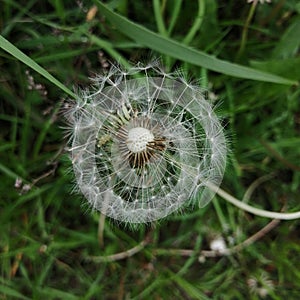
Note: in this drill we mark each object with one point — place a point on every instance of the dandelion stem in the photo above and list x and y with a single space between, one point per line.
251 209
101 224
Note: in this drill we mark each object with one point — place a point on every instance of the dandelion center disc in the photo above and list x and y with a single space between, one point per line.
138 138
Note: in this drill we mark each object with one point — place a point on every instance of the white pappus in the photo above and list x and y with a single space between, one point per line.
144 144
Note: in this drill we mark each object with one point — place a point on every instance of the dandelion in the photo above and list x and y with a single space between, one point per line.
260 285
144 144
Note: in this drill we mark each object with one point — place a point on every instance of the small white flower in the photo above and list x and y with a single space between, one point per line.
144 144
18 183
218 244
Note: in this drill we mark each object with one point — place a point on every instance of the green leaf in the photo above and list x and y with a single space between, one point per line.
289 43
45 292
174 49
7 291
289 67
14 51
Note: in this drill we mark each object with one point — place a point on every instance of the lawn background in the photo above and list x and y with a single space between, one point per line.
53 247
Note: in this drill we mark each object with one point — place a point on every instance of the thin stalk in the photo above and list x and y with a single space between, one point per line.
197 23
251 209
245 29
175 13
159 18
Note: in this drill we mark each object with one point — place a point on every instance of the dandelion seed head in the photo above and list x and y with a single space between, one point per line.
144 146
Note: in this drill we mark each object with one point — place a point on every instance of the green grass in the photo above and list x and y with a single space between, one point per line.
51 246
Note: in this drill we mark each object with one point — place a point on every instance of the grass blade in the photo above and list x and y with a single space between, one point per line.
173 48
14 51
